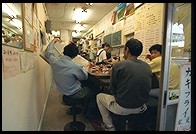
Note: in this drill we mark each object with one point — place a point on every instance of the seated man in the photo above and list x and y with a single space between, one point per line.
67 74
130 85
155 64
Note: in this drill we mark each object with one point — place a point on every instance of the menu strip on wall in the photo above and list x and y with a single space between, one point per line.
149 25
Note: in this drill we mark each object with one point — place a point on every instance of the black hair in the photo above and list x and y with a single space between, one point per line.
107 45
157 47
135 46
71 50
103 45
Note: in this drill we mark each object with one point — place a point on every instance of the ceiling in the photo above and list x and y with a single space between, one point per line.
61 15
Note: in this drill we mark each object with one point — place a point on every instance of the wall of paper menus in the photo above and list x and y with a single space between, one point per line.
149 25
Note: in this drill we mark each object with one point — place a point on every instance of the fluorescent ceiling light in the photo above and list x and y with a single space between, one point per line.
80 15
74 33
79 27
8 10
90 4
55 33
16 23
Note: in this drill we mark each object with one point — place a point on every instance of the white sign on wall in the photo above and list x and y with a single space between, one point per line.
183 117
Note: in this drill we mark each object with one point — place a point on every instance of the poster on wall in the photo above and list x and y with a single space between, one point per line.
11 61
27 61
121 11
29 37
129 9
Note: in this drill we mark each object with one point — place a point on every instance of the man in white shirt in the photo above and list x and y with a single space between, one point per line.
101 54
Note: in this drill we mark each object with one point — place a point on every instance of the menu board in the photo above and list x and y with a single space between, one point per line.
108 39
149 25
116 38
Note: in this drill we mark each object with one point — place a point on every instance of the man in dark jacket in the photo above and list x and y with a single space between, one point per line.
130 85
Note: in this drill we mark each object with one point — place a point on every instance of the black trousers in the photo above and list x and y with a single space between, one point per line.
90 104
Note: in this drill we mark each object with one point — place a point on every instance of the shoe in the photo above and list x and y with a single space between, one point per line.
106 128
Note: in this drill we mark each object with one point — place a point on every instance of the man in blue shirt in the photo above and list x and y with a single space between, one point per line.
67 74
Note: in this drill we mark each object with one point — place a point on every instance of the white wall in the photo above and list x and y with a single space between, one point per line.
24 96
103 24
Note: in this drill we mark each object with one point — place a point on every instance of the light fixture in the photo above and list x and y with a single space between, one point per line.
84 10
89 4
78 22
80 15
55 33
8 10
79 27
75 33
17 23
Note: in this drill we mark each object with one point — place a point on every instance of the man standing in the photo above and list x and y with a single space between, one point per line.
102 54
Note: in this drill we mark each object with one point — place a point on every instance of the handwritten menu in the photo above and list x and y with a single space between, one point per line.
118 26
27 61
149 25
11 61
129 25
183 117
109 31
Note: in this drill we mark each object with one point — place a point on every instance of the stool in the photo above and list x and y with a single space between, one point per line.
77 110
145 121
73 125
131 122
70 110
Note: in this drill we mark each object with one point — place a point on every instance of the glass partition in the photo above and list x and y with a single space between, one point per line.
175 105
